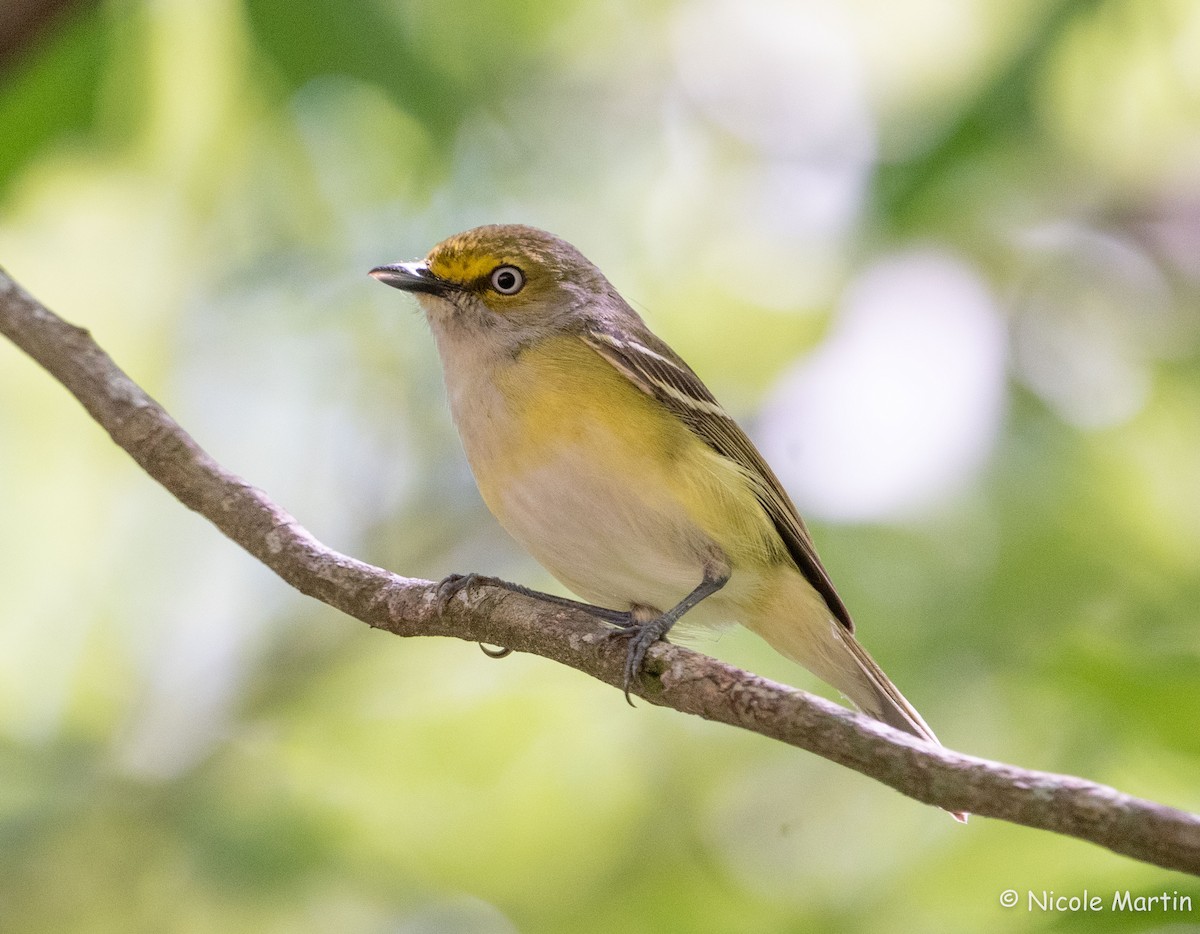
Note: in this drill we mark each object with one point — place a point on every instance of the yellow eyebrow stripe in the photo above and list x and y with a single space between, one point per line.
460 268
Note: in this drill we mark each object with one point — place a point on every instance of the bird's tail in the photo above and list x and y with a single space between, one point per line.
873 692
800 626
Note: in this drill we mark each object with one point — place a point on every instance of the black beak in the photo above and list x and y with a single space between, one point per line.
412 277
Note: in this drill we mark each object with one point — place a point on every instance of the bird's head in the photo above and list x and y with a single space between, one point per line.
503 277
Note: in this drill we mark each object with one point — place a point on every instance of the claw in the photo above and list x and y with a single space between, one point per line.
449 588
641 635
645 625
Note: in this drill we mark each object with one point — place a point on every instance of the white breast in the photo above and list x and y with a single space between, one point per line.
611 542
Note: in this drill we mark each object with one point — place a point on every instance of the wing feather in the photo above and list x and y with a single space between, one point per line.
651 365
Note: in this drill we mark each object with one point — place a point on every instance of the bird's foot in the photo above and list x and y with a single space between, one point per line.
454 584
642 630
451 586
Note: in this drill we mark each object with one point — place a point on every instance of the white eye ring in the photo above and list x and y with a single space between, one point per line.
507 280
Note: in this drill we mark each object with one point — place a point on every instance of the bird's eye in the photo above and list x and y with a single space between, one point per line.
508 280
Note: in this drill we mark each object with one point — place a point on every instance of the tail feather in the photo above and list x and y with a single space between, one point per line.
800 626
803 629
875 694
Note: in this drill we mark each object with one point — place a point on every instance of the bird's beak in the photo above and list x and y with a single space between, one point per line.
412 277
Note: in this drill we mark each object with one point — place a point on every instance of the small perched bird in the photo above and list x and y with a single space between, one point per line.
609 461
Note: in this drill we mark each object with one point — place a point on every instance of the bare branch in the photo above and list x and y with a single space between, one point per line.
677 677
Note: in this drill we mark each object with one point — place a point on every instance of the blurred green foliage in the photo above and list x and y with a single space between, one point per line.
187 746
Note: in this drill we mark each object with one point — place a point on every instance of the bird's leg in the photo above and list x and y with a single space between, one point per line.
457 582
642 625
646 625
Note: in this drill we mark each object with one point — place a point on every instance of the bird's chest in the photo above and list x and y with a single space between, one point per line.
530 418
584 491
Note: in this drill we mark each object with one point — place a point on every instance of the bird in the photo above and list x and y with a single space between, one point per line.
608 459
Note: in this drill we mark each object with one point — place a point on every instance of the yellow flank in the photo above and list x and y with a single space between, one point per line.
564 396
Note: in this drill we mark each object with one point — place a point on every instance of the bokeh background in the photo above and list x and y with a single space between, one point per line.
942 257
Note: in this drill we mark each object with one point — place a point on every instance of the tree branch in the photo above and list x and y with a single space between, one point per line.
676 677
